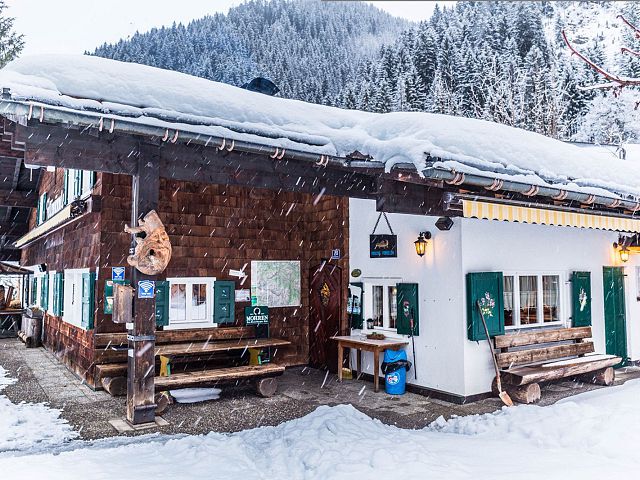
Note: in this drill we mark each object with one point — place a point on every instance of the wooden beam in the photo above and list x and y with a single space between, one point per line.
13 229
544 336
399 197
100 151
520 357
524 375
218 376
14 198
176 336
141 364
9 255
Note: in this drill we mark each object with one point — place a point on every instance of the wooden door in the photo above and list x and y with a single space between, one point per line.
614 312
325 313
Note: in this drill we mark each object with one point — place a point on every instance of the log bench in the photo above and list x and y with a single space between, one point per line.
188 347
527 359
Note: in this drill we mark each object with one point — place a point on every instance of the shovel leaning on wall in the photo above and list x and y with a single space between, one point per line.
504 396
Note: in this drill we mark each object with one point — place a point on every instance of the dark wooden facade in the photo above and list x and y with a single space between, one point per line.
213 228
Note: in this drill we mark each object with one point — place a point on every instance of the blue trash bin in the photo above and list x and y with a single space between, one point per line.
395 368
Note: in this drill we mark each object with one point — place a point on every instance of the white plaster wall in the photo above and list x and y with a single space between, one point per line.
439 347
503 246
446 360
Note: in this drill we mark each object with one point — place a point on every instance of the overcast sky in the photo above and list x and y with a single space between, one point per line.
73 26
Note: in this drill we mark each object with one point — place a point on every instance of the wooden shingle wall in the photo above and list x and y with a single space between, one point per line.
76 245
214 228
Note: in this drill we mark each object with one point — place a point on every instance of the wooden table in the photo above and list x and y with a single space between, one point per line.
359 344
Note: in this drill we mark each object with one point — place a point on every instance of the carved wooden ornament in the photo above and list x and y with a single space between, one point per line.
153 251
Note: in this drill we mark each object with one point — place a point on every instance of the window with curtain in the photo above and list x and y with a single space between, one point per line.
528 299
378 306
508 301
178 301
532 300
550 298
393 306
190 302
380 303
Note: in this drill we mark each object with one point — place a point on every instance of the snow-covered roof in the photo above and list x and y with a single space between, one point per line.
153 96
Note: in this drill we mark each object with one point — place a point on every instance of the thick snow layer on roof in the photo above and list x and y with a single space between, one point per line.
166 98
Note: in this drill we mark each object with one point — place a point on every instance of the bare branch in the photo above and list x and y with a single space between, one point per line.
615 82
629 51
635 29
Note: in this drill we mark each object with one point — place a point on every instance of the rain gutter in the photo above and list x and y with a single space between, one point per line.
23 111
494 184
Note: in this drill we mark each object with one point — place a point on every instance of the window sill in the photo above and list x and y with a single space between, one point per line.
538 326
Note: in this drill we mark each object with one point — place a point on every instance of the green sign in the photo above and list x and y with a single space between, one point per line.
256 315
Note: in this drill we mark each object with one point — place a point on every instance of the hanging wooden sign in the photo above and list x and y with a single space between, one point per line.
383 245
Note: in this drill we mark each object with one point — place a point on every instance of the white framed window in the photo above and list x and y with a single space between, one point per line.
52 276
72 310
533 299
78 184
39 276
380 303
191 302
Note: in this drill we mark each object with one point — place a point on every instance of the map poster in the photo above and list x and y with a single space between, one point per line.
275 283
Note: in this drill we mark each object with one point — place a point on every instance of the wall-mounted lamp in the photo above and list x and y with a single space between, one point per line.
421 243
624 254
622 245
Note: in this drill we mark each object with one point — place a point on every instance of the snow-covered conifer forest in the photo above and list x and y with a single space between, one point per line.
500 61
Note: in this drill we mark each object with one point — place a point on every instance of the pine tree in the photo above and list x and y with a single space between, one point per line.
11 43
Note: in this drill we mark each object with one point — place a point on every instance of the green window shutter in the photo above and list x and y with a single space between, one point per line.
488 288
407 302
43 208
56 295
581 299
357 319
38 212
65 187
60 291
88 297
33 290
162 303
44 292
224 302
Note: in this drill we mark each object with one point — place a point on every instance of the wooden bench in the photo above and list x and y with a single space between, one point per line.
262 374
527 359
187 347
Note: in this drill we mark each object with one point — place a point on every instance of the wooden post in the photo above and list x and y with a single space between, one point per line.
141 354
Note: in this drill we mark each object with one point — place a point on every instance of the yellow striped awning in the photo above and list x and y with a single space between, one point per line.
541 216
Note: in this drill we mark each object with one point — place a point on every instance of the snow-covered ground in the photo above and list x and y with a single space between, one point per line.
29 425
589 436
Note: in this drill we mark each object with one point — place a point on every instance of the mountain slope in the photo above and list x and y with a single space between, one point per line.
310 49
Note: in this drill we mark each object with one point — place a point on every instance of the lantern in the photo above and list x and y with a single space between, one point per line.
421 243
624 253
